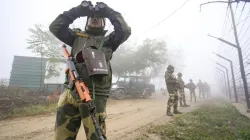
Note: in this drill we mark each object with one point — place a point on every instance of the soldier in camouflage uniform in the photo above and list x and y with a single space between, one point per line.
172 87
206 89
191 86
201 88
70 113
181 91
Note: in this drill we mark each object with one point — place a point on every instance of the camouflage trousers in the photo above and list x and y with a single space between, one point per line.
192 94
182 96
70 114
172 100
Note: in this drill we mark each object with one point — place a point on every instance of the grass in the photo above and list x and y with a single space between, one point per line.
33 110
36 110
216 120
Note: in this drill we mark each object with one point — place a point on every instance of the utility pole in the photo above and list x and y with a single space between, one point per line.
232 71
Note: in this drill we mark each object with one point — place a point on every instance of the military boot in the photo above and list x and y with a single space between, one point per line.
176 111
169 112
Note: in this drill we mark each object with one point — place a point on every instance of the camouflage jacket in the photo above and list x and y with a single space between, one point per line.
201 86
191 86
181 82
171 82
77 38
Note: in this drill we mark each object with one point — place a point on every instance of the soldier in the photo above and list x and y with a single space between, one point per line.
200 86
207 89
191 86
69 112
172 87
181 90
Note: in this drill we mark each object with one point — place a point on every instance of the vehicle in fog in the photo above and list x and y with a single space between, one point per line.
136 86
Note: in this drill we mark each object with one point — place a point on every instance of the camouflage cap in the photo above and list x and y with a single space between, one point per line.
179 74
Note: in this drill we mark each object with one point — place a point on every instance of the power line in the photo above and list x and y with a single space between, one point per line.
169 15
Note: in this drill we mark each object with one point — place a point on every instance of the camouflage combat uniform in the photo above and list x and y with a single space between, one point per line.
181 90
172 87
70 113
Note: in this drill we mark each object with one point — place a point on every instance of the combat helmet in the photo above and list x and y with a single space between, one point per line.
179 74
170 67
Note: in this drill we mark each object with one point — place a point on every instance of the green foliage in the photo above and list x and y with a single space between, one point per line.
150 55
45 44
214 121
33 110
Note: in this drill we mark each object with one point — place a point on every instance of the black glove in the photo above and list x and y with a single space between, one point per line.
84 9
103 10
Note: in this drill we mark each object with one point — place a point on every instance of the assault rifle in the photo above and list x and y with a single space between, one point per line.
82 90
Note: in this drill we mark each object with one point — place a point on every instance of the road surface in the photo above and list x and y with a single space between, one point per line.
124 121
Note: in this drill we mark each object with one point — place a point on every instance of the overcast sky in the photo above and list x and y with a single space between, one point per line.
187 28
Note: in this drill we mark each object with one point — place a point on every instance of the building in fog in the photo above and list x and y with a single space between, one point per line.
29 72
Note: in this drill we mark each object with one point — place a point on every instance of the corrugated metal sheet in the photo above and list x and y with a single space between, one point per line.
27 72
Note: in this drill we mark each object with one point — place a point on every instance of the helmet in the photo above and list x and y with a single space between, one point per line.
179 74
170 67
191 80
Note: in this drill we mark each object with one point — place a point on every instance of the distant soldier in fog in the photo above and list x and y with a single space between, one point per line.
181 90
191 86
200 86
172 87
206 89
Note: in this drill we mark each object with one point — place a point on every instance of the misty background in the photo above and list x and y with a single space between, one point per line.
186 29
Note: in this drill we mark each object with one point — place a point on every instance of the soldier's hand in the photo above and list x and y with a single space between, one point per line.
85 8
103 9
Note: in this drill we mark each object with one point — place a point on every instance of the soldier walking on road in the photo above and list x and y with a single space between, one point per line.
181 90
172 87
191 86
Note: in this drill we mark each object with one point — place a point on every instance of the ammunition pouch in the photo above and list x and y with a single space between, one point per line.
95 62
90 62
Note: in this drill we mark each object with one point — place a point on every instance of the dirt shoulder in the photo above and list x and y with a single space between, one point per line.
125 120
242 108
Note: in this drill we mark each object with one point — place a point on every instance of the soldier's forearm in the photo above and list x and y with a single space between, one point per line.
60 28
121 30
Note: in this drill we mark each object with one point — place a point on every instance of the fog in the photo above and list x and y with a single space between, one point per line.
187 28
